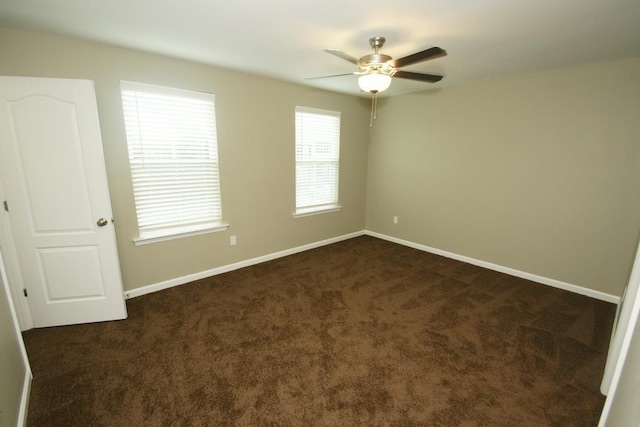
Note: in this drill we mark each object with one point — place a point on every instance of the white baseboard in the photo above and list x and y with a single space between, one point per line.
507 270
235 266
24 400
253 261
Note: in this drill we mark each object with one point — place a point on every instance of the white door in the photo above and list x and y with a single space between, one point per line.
54 179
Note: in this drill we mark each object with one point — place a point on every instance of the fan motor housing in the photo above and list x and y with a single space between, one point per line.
373 59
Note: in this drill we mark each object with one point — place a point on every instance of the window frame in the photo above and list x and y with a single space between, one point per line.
334 205
209 161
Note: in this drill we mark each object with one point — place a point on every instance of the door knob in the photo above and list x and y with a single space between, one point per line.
102 222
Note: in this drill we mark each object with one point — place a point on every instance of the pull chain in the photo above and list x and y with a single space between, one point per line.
374 107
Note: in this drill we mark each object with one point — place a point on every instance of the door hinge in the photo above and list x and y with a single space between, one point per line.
24 291
6 206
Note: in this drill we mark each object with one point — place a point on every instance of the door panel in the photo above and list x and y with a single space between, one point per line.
52 171
63 284
67 187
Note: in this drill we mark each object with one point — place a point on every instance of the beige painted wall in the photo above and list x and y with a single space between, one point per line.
12 366
537 172
255 119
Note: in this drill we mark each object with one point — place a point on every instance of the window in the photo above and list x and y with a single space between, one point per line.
171 136
317 160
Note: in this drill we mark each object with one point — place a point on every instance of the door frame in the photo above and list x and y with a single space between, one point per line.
28 374
622 327
12 269
627 322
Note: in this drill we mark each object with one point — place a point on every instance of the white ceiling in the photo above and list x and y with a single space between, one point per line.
285 39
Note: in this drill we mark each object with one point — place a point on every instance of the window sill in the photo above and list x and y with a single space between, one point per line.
177 233
316 210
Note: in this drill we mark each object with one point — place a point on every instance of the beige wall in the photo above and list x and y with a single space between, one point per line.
12 366
538 172
255 119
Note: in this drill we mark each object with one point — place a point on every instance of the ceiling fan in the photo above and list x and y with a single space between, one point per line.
376 69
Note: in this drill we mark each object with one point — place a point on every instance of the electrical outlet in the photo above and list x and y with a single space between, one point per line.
395 219
232 240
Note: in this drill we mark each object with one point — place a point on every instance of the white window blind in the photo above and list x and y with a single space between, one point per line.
171 136
317 159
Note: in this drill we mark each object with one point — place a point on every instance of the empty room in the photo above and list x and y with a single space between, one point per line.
320 213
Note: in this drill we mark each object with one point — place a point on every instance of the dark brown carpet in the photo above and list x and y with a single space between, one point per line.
362 332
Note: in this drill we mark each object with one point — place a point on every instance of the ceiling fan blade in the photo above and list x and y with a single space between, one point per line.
341 54
431 53
333 75
429 78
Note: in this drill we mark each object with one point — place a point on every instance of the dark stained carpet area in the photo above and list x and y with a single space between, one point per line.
359 333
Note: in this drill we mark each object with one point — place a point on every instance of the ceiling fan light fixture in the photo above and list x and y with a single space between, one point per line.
377 69
374 82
